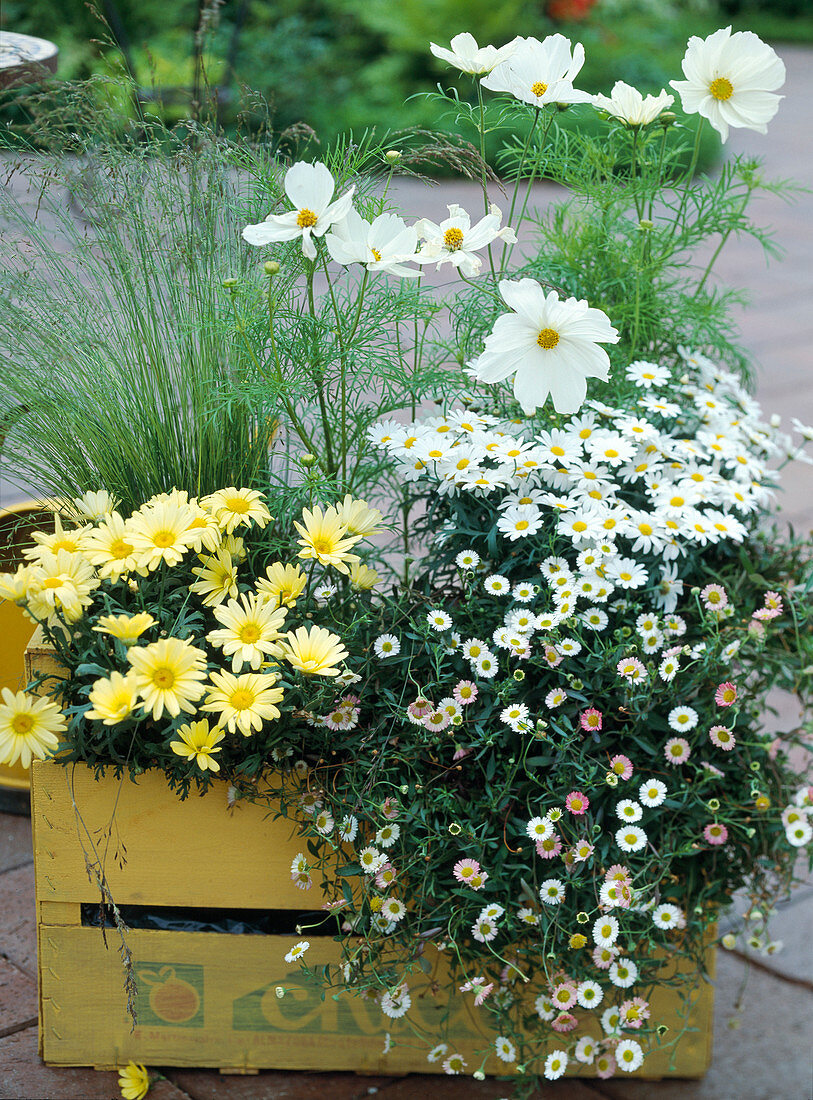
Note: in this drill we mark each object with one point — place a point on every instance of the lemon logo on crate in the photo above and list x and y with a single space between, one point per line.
169 996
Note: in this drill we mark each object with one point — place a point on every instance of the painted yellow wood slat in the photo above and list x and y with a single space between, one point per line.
158 850
212 1000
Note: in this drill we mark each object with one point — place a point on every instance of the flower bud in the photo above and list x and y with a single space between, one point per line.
729 941
271 267
392 156
308 461
667 119
229 283
280 992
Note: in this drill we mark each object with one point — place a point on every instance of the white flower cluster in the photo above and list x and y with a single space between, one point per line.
686 471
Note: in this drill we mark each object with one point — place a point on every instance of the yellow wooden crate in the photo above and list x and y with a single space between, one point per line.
211 998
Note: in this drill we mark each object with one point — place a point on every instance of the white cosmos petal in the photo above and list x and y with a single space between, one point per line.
568 390
531 388
309 186
270 232
334 212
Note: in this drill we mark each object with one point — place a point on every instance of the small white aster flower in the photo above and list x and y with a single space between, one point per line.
623 973
629 1056
630 838
589 994
628 810
552 891
555 1064
297 951
683 718
439 620
497 585
652 793
386 645
605 931
467 559
667 916
505 1049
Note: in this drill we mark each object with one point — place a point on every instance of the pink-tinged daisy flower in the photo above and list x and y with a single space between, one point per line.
465 870
603 957
552 656
484 929
550 847
591 719
773 601
722 737
716 833
386 876
420 709
605 1066
437 720
714 597
621 766
564 1022
577 803
633 1012
632 670
564 995
482 993
676 750
726 694
765 614
390 808
465 692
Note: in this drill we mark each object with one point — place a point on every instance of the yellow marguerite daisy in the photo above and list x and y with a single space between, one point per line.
198 742
283 584
110 548
28 727
114 698
314 651
169 675
134 1081
323 538
52 542
250 629
160 533
204 530
235 546
235 507
358 517
218 578
95 505
14 586
127 628
362 577
243 702
61 583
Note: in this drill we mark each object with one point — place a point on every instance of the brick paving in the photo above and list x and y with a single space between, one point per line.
766 1056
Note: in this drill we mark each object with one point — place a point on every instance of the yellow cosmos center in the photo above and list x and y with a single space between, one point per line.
249 633
721 88
163 678
376 254
539 88
22 724
242 699
163 539
237 504
548 338
453 239
305 218
120 549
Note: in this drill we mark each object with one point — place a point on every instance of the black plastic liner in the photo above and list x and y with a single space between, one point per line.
234 922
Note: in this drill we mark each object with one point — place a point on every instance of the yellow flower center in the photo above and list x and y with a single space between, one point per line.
522 525
163 539
64 544
163 678
721 88
120 549
548 338
453 238
305 218
539 88
237 504
242 699
322 544
22 724
53 582
376 254
249 633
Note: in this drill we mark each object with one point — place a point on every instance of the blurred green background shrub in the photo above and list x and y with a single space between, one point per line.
352 64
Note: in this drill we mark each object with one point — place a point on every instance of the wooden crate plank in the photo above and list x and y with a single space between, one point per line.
191 853
210 1000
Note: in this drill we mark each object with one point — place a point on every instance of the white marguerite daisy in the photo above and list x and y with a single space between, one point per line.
467 56
628 105
385 244
540 72
623 973
550 345
297 951
386 645
731 79
629 1056
310 188
456 240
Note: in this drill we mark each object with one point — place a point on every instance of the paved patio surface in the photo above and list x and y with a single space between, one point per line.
763 1050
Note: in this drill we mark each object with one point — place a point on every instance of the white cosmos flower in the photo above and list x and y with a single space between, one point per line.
628 105
552 345
310 188
467 56
731 80
541 72
456 240
384 244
